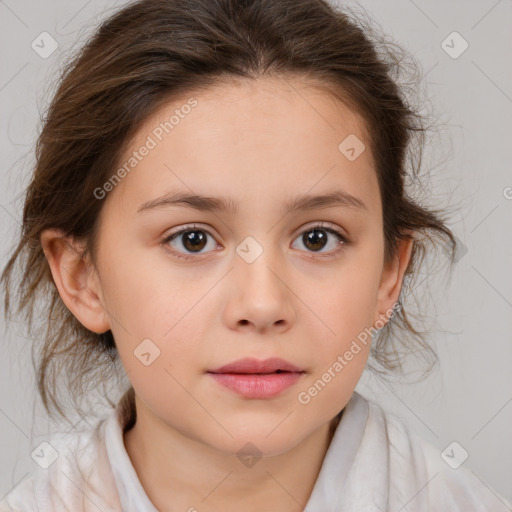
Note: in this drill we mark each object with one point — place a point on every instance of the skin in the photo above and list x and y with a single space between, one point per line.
258 143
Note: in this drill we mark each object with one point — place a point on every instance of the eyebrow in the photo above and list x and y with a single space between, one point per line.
336 198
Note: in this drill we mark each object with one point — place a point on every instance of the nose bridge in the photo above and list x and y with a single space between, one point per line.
261 295
258 262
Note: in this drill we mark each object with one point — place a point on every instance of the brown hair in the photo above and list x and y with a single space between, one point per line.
150 52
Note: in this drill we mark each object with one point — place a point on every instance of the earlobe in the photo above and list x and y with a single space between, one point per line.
392 279
75 279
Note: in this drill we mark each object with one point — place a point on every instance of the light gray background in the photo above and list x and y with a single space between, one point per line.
469 400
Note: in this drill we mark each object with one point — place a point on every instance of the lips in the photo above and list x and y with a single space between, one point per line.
255 366
255 379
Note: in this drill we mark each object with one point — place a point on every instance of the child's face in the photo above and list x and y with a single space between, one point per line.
258 145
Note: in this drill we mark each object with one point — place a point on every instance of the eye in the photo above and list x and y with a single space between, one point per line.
192 240
189 240
319 236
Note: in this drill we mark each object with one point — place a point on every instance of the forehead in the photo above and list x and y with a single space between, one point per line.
252 141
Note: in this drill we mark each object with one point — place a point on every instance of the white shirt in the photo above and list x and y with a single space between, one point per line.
374 463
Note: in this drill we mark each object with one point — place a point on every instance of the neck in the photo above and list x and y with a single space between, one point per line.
199 477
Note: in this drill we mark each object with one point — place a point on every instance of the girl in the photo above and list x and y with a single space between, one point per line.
219 204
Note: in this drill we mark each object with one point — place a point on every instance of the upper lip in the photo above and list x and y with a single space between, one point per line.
252 365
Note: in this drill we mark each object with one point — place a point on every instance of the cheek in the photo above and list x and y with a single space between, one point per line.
145 292
347 300
159 359
341 348
345 305
156 312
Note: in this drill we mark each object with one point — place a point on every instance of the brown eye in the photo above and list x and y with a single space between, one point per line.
189 241
317 238
193 240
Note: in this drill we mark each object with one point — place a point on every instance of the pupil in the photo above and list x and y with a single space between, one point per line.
315 239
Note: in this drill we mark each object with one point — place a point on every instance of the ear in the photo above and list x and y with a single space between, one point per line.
392 278
76 280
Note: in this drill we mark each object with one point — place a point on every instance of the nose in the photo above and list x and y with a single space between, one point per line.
260 298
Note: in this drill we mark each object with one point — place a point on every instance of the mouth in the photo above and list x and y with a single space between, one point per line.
254 373
258 379
252 366
258 385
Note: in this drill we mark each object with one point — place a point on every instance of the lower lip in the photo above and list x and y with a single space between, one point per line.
257 385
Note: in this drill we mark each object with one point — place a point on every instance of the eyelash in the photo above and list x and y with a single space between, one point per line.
320 226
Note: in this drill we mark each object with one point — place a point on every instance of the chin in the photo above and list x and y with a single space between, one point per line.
257 439
249 450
